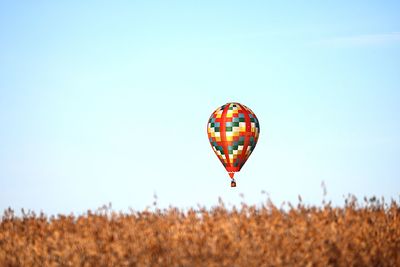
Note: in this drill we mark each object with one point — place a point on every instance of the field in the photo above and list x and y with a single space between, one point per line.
366 234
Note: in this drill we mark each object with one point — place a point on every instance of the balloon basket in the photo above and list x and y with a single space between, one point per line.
233 183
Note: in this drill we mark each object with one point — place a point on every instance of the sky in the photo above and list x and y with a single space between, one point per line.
108 101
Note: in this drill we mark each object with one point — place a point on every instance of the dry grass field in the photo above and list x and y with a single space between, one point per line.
366 234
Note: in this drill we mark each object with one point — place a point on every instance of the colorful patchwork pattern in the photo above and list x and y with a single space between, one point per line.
233 131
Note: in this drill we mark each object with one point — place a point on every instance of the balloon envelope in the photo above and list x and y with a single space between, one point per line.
233 131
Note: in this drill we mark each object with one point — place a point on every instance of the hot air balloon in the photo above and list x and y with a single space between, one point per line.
233 131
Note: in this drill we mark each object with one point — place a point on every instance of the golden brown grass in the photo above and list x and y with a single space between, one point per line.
352 235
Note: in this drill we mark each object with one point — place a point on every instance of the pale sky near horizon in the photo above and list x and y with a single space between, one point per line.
107 101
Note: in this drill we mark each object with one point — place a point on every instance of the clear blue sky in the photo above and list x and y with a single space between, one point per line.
107 101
